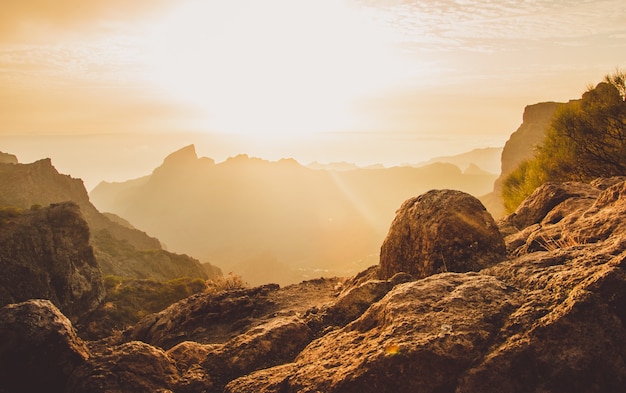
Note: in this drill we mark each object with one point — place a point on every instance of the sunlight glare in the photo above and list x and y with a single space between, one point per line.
278 68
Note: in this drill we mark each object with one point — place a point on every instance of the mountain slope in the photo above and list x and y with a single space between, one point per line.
120 250
274 221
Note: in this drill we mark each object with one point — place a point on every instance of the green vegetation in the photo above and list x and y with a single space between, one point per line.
586 140
7 213
128 300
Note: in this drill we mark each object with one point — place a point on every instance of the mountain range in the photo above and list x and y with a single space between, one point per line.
119 248
275 221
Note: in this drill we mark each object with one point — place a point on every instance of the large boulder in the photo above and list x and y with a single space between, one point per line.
39 349
441 231
45 253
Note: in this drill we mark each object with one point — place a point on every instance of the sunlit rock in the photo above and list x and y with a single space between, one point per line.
441 231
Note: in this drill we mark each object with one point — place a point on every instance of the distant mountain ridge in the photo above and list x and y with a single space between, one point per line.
274 221
120 249
487 159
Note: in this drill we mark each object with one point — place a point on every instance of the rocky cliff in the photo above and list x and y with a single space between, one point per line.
547 315
120 249
45 253
520 147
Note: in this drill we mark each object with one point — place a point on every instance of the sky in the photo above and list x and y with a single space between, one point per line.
107 88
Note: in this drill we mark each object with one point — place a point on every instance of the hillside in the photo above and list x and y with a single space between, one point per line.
531 303
274 221
120 250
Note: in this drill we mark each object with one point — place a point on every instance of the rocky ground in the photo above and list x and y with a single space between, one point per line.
538 307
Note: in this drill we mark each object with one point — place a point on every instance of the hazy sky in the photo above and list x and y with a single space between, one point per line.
359 80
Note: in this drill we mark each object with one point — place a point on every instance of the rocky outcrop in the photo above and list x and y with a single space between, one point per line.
205 318
39 349
6 158
45 253
120 249
521 147
548 318
419 337
440 231
127 368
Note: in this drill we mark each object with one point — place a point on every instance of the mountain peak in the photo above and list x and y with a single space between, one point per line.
182 156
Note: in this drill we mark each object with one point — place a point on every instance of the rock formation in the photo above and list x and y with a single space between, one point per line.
120 250
45 253
440 231
521 147
549 317
6 158
39 349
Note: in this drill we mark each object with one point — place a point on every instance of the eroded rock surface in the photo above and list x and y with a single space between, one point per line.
45 253
550 318
39 349
441 231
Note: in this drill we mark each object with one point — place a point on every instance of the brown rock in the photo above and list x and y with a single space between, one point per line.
131 367
206 318
440 231
547 197
419 337
45 253
39 349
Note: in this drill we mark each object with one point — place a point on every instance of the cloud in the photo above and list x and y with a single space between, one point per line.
476 25
28 20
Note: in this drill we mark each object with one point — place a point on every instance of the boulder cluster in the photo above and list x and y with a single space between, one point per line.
535 302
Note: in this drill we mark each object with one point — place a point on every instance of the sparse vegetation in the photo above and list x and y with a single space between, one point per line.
586 140
128 300
9 212
553 244
231 281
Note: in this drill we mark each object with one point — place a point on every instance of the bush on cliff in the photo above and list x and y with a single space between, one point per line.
586 140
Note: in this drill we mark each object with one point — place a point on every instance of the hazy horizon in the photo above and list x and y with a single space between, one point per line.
109 88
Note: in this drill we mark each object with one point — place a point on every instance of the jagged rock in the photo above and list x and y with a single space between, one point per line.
565 215
419 337
545 198
205 318
271 344
353 302
131 367
441 230
6 158
39 349
568 335
45 253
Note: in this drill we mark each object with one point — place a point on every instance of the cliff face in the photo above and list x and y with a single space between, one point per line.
120 250
520 147
45 253
6 158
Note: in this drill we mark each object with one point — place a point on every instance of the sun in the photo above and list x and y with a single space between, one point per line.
278 68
